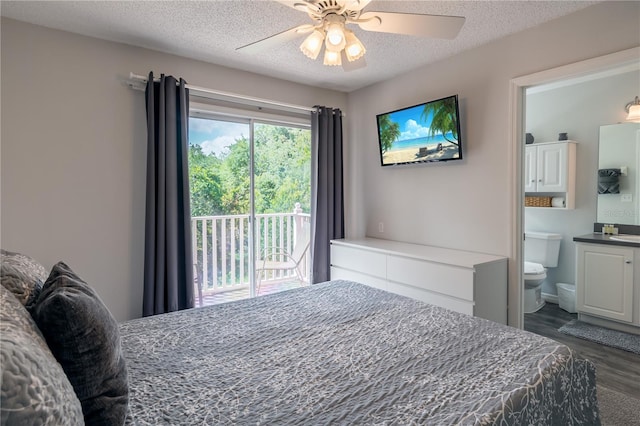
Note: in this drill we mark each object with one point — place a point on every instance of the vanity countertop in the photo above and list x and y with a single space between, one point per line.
598 238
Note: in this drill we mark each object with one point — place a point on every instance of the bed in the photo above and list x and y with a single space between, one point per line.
333 353
345 353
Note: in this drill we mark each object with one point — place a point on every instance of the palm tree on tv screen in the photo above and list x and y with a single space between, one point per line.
389 132
444 119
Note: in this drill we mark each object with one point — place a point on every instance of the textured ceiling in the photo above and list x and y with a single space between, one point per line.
212 30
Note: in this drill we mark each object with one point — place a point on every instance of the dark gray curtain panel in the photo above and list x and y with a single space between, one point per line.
327 199
168 265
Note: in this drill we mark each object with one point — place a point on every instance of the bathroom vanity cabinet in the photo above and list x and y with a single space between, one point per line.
605 281
467 282
550 169
605 286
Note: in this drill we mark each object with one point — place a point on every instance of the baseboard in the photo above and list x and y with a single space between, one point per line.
551 298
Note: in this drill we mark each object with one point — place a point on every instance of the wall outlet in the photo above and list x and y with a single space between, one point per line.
381 227
626 198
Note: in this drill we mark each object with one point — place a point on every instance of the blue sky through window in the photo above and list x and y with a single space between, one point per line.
215 135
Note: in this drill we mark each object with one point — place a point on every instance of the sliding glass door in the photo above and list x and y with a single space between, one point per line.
250 192
282 188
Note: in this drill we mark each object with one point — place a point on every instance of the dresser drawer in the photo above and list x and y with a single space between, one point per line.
462 306
359 277
435 277
368 262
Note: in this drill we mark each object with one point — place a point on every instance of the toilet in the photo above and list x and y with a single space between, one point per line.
541 251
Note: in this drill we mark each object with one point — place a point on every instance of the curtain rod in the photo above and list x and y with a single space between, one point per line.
139 82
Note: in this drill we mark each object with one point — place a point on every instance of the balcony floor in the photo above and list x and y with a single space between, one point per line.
267 287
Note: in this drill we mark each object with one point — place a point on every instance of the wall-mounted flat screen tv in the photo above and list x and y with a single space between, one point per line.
424 133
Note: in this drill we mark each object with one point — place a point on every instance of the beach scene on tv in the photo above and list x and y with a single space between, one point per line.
427 132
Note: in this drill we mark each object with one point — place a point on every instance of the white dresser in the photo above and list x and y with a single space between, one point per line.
463 281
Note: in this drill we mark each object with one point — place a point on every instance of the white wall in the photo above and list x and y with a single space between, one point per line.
74 149
466 205
578 110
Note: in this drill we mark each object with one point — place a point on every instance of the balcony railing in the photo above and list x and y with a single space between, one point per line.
220 247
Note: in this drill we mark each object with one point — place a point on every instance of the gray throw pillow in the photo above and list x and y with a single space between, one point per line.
21 275
85 339
35 390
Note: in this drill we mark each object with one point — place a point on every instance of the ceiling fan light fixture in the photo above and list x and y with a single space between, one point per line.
335 39
633 110
354 48
312 45
332 58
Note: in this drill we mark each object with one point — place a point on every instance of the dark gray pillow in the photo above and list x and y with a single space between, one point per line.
84 337
35 390
21 275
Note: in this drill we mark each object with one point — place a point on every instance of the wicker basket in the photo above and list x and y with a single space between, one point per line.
537 201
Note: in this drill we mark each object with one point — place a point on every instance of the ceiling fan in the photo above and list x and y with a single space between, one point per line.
330 18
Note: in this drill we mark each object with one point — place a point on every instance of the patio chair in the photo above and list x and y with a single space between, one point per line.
278 259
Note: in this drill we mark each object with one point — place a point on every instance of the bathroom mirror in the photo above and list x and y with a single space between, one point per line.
619 174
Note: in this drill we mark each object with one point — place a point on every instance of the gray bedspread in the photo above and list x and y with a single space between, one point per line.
345 353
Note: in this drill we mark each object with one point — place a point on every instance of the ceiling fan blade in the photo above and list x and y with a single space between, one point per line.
356 4
352 66
300 5
436 26
276 39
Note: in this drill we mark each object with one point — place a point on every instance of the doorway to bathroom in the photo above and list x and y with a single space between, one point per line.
577 99
585 113
575 109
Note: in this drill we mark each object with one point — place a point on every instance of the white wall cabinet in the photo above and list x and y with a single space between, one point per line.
550 168
604 278
466 282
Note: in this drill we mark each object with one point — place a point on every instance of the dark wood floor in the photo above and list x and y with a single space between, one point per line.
616 369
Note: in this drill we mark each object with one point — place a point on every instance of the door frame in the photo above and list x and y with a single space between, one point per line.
517 87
